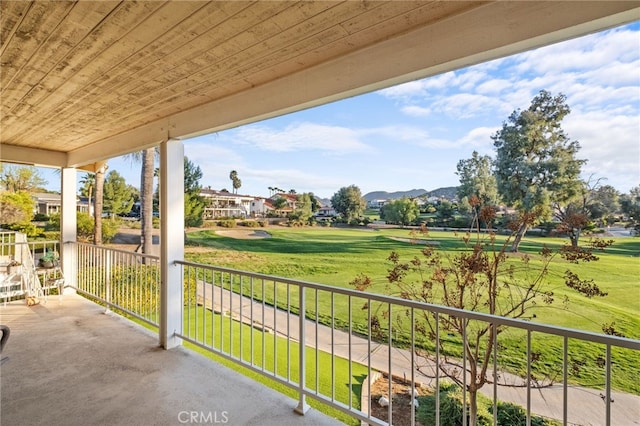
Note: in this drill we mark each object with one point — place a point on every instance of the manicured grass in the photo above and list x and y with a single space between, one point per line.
336 256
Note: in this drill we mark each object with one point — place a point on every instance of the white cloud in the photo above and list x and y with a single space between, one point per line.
480 139
611 144
301 137
416 111
467 105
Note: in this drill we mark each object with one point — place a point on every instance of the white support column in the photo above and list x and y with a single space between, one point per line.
68 225
171 241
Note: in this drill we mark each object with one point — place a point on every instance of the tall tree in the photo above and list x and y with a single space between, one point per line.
315 203
118 196
88 183
630 204
15 207
536 161
576 213
348 201
98 204
477 179
604 203
236 183
20 178
280 203
147 173
303 212
193 202
402 211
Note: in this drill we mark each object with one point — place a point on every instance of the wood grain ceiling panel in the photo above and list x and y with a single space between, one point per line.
75 73
327 43
148 80
85 60
260 54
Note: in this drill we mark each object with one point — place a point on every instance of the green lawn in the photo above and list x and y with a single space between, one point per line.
334 256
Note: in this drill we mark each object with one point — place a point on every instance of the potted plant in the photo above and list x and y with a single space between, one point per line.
14 267
49 260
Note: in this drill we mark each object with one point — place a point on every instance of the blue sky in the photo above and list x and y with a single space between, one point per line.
413 135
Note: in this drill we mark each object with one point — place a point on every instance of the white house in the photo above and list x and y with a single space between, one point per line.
225 204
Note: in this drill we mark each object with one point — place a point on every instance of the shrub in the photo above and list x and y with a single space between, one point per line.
109 230
40 217
354 222
27 228
450 408
249 223
85 226
51 235
227 223
514 415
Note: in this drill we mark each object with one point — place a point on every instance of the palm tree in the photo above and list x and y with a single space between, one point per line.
147 173
88 184
97 210
235 181
146 198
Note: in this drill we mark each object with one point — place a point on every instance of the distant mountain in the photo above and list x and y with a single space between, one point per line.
448 193
384 195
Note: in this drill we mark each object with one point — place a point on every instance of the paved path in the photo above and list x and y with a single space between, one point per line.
586 406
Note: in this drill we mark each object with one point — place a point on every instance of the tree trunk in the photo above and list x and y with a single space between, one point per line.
518 238
574 236
146 199
473 408
89 202
97 210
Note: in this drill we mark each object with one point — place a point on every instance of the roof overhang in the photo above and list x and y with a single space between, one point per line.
136 86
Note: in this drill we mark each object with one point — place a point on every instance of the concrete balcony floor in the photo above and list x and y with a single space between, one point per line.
71 364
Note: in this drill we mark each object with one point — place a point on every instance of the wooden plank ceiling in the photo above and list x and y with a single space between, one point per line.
74 75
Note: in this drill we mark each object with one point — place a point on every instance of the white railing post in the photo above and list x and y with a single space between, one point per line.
107 283
302 407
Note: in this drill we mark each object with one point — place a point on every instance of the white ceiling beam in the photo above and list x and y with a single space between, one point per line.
32 156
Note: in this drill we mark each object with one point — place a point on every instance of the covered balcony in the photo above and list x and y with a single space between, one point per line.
83 82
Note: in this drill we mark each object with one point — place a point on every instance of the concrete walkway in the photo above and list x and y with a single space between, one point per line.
71 364
586 406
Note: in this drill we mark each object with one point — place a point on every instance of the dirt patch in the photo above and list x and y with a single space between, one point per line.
244 234
401 403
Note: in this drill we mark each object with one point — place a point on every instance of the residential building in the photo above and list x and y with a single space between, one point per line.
221 204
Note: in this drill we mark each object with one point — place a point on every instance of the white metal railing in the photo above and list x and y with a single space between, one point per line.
14 246
274 325
222 306
122 280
